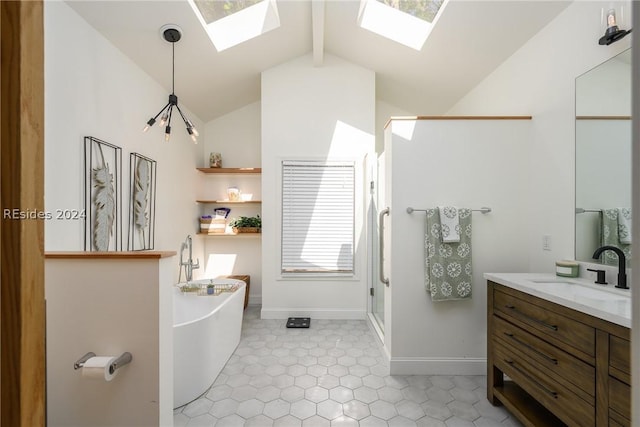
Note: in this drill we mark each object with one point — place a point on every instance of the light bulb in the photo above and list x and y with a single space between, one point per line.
167 133
149 124
190 124
192 134
164 118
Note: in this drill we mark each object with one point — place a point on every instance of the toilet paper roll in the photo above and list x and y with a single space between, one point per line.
97 368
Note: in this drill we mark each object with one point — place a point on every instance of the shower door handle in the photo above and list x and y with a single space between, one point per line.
381 216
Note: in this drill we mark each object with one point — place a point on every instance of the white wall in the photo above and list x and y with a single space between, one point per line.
109 307
384 111
539 80
309 112
92 89
237 137
466 163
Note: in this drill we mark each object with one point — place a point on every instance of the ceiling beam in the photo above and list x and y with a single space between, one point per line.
317 21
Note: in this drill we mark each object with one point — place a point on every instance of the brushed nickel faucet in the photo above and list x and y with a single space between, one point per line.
188 265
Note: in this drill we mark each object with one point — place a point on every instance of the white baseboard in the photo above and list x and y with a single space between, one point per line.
313 313
255 299
438 366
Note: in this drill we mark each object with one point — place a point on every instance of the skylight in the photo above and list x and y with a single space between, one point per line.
408 22
231 22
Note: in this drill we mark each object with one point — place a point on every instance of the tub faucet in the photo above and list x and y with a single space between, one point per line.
622 264
188 265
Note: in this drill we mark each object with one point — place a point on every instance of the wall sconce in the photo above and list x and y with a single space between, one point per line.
612 33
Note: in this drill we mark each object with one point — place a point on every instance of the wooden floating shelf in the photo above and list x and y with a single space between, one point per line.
231 234
603 117
109 254
231 170
228 202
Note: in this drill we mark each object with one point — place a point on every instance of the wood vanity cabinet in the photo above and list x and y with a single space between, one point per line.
552 366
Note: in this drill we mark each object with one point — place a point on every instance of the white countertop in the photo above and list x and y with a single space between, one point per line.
601 301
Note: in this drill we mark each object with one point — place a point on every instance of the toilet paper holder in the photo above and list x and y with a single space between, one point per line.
124 359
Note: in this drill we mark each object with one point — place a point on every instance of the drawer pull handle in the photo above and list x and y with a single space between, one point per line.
532 348
550 392
533 319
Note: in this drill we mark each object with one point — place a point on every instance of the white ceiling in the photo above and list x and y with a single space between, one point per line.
471 38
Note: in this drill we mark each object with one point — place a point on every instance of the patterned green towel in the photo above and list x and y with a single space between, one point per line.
611 237
448 273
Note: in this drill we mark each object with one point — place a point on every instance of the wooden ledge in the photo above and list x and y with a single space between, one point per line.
603 117
110 255
392 118
231 170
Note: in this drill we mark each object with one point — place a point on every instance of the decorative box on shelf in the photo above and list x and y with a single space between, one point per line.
213 225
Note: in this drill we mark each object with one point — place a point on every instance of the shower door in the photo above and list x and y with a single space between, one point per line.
376 199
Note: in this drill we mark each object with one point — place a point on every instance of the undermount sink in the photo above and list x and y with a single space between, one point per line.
577 291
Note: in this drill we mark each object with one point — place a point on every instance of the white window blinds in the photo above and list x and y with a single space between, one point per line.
317 217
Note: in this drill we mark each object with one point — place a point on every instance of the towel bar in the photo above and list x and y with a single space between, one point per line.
582 210
483 209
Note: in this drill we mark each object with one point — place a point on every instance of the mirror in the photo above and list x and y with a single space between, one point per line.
603 159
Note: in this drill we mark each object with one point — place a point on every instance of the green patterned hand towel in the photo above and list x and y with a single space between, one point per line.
448 272
611 236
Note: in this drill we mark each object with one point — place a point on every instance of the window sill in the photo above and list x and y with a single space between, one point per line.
319 277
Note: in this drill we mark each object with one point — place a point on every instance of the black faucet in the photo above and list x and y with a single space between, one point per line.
622 264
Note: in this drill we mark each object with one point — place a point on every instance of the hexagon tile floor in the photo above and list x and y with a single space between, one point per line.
332 374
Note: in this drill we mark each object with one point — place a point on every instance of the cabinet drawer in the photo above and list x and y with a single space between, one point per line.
573 371
547 324
620 358
615 420
560 400
619 398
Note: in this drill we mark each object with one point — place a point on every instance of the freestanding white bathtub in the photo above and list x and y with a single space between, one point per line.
206 332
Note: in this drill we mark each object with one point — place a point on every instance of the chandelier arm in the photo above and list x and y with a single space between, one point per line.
186 122
160 112
170 111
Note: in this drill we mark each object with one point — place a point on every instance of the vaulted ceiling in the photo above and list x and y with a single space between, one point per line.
471 38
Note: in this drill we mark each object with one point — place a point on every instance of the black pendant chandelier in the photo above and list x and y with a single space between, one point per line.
172 34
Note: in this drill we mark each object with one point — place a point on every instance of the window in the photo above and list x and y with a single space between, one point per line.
408 22
212 10
318 217
231 22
